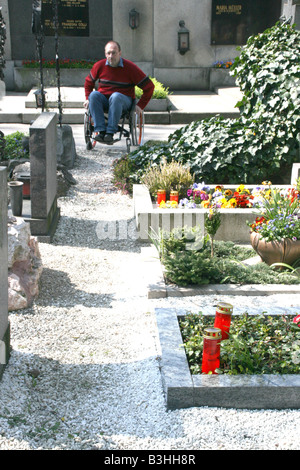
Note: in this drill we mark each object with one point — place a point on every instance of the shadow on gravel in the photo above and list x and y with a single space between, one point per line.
57 289
111 235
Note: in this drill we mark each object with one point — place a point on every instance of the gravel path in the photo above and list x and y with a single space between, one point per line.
84 370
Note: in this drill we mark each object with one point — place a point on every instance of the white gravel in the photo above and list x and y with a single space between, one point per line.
84 369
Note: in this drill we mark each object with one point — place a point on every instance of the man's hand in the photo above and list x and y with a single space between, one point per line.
86 104
139 112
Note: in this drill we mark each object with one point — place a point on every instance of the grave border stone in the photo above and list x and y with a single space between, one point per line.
4 323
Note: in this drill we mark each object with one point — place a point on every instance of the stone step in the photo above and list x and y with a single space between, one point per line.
182 107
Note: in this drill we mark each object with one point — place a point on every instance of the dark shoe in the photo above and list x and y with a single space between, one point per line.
99 136
108 138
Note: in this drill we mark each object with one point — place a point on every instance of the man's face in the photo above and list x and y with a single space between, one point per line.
112 54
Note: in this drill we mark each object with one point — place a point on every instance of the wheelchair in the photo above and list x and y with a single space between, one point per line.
131 126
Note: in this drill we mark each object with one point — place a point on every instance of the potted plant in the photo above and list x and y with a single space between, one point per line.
275 234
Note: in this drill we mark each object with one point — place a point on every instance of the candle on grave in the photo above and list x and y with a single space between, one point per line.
174 196
211 350
161 196
223 318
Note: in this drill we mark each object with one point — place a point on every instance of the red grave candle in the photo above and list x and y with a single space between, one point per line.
174 196
223 318
161 196
211 350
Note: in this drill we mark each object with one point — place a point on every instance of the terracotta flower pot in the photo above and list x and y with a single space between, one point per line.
284 251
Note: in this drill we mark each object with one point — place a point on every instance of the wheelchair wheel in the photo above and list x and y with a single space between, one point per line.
137 129
88 131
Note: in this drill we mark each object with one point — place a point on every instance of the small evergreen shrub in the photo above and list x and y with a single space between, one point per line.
160 91
187 260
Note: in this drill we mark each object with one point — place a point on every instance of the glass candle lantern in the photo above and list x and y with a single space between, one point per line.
161 196
223 318
211 350
174 196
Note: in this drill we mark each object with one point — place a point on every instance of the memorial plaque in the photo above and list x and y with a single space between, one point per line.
234 21
73 17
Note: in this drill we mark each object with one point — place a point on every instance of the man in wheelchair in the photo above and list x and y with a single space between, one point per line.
117 79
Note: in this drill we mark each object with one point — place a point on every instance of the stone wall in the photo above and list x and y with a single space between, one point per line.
153 45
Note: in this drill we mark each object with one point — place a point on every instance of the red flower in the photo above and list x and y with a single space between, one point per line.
297 320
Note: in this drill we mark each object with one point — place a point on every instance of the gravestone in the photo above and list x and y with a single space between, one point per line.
73 17
82 41
4 323
234 21
43 176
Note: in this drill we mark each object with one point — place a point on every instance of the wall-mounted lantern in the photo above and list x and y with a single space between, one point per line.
134 19
183 38
40 98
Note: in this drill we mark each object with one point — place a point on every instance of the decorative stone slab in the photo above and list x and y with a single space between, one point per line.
183 390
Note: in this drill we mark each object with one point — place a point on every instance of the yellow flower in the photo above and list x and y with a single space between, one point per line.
266 183
162 204
205 204
241 188
232 202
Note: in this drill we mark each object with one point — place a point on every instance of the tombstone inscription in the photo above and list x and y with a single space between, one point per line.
234 21
73 17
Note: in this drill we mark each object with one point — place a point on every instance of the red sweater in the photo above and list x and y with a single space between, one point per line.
120 79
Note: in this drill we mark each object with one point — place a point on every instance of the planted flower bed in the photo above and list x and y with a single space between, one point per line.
236 204
256 344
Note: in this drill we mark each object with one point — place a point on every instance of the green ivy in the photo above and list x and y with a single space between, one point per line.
257 344
264 141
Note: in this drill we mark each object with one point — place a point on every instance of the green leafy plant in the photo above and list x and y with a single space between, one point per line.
257 344
122 170
212 222
160 91
14 147
263 142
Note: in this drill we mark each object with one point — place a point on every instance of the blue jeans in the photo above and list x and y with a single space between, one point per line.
115 106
